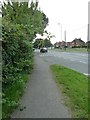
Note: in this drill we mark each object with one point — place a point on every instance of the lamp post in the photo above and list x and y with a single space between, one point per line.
61 30
65 39
88 37
64 36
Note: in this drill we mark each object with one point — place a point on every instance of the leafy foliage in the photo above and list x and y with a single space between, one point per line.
20 25
42 43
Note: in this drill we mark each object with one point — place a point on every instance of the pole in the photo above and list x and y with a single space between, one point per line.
61 32
65 38
88 37
88 33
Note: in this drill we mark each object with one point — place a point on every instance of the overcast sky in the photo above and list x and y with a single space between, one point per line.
69 15
72 16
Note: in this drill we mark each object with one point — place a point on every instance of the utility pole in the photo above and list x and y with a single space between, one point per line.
88 37
65 38
61 30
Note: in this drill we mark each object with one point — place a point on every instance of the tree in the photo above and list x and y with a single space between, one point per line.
47 43
45 21
39 43
36 43
49 35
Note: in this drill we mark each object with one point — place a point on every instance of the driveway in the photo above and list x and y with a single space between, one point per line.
42 98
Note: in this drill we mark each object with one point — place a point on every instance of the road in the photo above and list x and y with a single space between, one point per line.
76 61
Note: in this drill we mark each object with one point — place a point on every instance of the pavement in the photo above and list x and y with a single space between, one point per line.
42 98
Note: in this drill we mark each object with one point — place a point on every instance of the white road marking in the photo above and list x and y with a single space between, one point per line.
72 60
83 62
83 55
86 74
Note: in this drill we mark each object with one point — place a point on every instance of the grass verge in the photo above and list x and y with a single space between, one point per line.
12 95
73 50
75 87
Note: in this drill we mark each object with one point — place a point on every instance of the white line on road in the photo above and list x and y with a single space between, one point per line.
86 74
72 60
83 62
84 55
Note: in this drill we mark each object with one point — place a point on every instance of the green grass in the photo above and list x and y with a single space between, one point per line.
12 95
89 96
74 86
0 111
73 50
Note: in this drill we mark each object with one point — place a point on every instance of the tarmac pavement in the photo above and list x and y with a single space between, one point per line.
42 98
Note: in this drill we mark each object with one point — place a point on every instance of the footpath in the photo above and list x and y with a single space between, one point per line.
41 98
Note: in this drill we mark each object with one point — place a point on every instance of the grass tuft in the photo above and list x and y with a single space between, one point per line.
12 95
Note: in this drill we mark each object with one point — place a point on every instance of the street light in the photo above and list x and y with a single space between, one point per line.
61 30
88 37
65 39
64 35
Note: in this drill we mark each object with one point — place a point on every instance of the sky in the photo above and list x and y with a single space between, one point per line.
66 15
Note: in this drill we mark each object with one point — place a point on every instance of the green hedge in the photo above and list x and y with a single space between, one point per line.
20 25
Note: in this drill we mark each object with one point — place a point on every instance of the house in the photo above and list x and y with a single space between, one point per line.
77 43
60 44
57 44
69 44
88 44
63 44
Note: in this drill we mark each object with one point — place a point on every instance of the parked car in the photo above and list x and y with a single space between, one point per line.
43 50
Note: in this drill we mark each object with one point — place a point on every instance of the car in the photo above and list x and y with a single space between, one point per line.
33 49
43 50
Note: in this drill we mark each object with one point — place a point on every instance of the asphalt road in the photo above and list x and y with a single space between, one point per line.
76 61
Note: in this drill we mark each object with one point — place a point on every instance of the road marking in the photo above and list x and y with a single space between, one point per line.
83 55
83 62
72 60
86 74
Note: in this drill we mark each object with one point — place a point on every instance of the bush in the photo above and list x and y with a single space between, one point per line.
18 31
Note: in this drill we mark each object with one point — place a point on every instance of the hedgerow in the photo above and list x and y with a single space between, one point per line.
20 25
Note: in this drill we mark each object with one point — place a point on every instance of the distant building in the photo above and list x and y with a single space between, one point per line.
69 44
57 44
63 44
88 44
77 43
